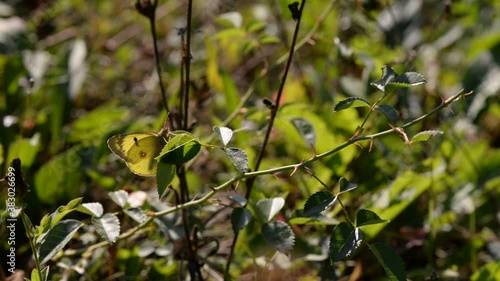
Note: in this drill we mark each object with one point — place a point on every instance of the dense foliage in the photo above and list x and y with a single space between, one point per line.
161 141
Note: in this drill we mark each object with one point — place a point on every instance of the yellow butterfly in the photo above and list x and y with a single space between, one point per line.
139 151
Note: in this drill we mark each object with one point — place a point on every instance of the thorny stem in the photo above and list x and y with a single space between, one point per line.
274 111
233 180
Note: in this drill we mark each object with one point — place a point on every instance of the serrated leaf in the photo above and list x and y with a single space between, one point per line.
351 102
164 176
136 214
392 263
305 129
408 79
346 186
57 238
224 134
240 218
239 158
425 135
93 209
367 217
108 226
318 202
279 235
120 197
268 208
388 74
344 240
389 112
179 149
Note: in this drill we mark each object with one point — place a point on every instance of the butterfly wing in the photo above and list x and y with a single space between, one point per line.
138 150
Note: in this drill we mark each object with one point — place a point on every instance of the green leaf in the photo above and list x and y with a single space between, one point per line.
25 149
367 217
180 149
35 276
346 186
388 74
62 211
305 129
344 240
136 214
232 97
94 126
491 271
108 226
390 112
268 208
93 209
425 135
279 235
351 102
57 238
242 201
60 178
240 218
392 263
318 202
120 197
224 134
239 158
408 79
164 176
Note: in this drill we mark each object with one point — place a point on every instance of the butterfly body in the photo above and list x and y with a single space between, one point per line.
138 150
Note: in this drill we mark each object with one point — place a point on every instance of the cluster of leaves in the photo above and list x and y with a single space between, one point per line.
436 192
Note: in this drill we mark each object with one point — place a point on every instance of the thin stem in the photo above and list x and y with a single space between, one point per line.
27 225
274 112
152 18
372 108
187 63
228 183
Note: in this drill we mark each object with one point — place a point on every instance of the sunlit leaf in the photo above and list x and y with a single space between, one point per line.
180 149
224 134
388 74
425 135
120 197
268 208
94 209
136 214
239 158
57 238
108 226
345 239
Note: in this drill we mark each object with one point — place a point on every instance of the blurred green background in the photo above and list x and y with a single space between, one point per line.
93 71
